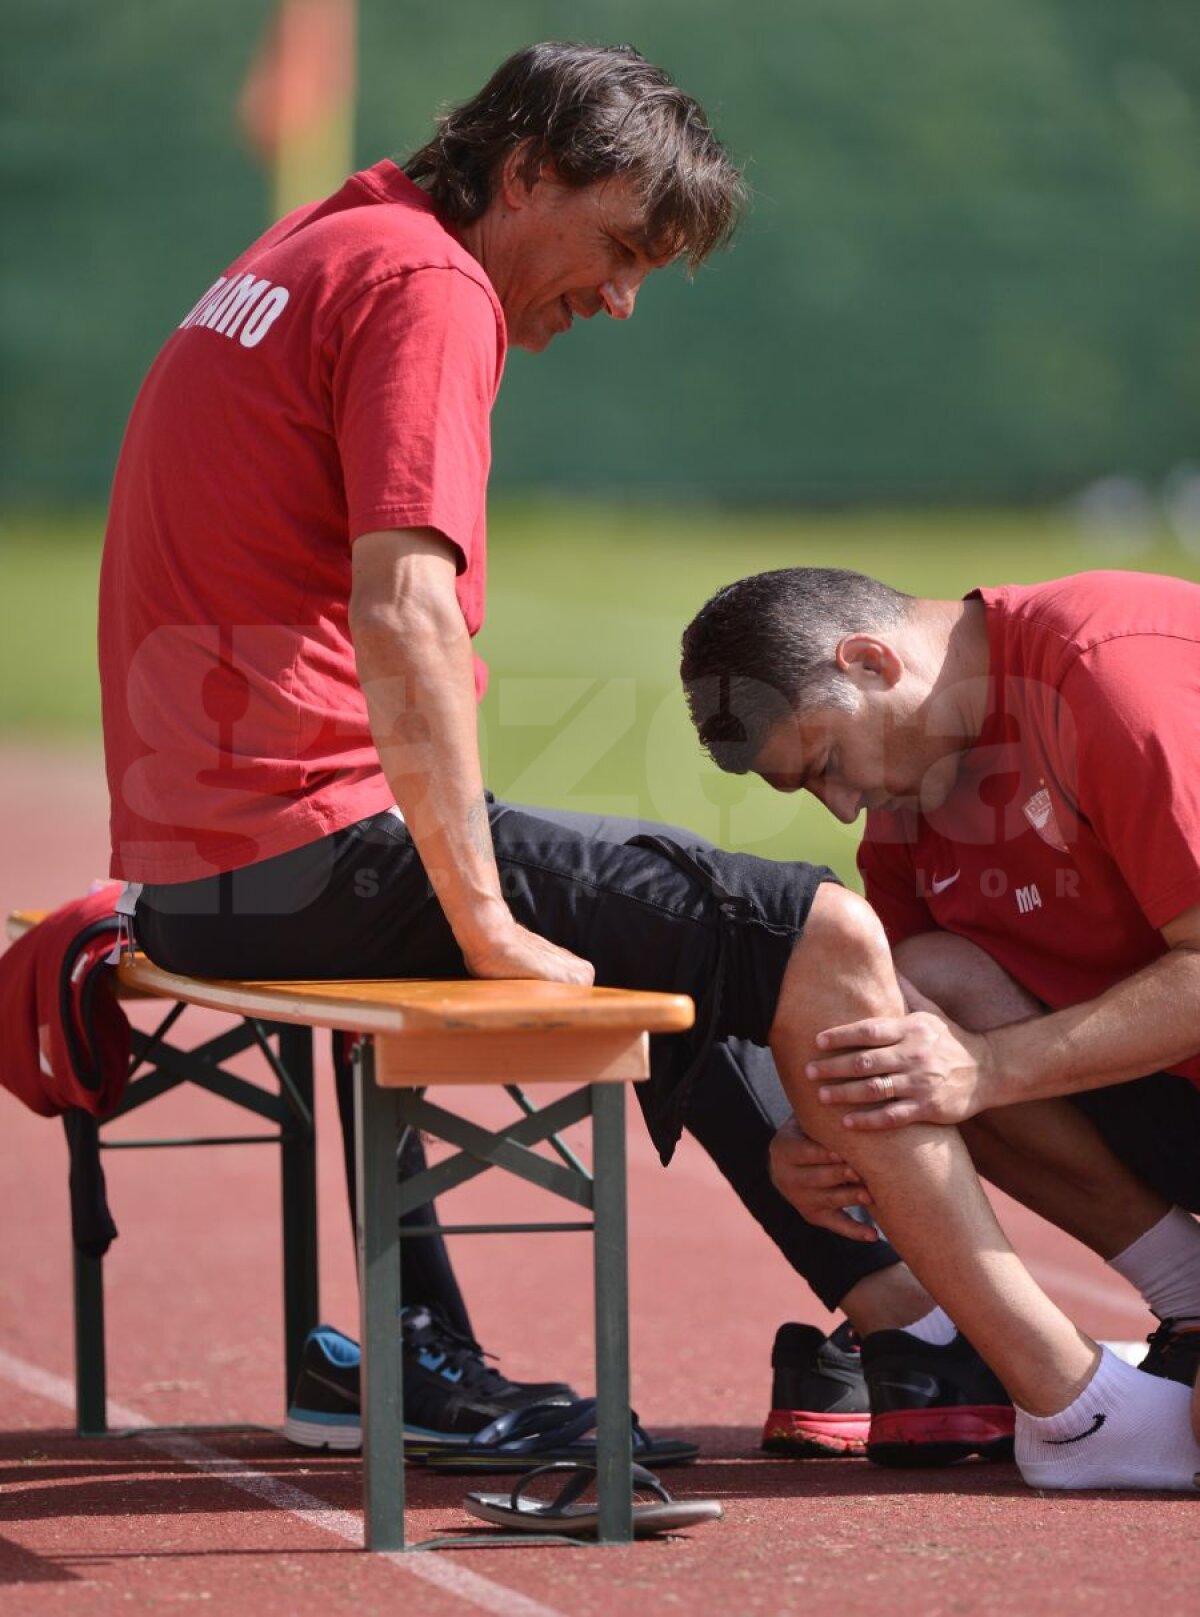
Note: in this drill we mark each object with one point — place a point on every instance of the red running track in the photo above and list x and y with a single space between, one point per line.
240 1520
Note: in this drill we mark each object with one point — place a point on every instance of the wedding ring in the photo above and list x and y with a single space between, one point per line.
888 1086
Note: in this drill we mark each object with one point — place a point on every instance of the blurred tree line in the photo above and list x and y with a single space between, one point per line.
969 273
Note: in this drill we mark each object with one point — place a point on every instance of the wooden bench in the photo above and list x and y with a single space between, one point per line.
451 1033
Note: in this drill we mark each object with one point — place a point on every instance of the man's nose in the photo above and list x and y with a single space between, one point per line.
618 298
843 802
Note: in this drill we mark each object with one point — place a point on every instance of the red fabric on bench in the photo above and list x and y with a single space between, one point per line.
64 1040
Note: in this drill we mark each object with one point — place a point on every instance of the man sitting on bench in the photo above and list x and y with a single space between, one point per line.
293 571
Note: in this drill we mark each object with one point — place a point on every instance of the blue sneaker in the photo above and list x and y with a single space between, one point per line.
450 1393
325 1409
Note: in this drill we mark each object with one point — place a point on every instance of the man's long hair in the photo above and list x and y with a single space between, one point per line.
592 112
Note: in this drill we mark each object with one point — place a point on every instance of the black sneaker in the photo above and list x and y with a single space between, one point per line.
1173 1352
933 1405
449 1391
819 1406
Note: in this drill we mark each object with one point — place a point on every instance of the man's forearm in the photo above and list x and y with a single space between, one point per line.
413 653
416 672
1148 1022
932 1066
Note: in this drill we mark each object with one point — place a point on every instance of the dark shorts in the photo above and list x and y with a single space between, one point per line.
1153 1125
648 913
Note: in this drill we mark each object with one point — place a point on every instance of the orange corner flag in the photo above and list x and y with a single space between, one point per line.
297 104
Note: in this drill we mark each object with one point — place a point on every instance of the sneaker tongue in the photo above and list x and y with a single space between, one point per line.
425 1332
845 1339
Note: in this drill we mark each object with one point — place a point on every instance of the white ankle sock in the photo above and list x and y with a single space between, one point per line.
1164 1265
936 1328
1125 1430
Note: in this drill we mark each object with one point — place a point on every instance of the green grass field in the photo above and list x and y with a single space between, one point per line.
586 607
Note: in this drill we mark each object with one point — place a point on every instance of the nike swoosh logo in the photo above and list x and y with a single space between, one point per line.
940 884
1061 1442
920 1386
332 1386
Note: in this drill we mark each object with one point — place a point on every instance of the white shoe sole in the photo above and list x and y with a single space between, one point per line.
314 1434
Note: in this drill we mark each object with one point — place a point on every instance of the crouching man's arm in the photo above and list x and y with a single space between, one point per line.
923 1067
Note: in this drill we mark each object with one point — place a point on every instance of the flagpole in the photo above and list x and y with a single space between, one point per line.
299 100
311 163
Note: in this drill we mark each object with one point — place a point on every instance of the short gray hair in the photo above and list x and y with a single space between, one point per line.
764 647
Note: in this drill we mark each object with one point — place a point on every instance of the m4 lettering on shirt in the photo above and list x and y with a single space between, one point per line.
1028 898
240 306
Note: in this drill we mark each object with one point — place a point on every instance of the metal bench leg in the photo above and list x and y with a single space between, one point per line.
376 1134
298 1178
91 1388
614 1442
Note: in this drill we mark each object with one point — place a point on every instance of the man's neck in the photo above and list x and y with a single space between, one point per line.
969 661
486 239
954 636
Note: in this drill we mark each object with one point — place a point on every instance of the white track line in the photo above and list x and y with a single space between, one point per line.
347 1525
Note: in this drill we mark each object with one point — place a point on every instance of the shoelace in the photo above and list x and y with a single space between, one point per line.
460 1351
1170 1334
846 1338
1159 1339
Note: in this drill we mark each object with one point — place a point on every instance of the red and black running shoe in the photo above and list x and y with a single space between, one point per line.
933 1405
819 1407
1173 1352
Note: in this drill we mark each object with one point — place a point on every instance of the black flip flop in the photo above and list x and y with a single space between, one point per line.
513 1510
542 1433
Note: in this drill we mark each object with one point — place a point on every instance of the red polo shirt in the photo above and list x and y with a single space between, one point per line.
1073 831
337 379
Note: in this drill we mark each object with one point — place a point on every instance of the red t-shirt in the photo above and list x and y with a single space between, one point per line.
336 380
1073 831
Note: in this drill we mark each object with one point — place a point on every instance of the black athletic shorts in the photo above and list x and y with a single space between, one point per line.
650 913
1153 1125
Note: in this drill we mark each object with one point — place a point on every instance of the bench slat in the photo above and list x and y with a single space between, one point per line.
411 1005
407 1005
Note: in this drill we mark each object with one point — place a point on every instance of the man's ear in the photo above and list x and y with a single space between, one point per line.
868 660
518 177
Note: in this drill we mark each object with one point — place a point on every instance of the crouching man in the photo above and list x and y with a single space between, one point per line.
1026 758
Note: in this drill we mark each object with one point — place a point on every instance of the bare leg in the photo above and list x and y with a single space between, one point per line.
925 1191
1047 1154
887 1300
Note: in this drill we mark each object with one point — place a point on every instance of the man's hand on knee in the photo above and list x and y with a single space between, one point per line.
886 1072
818 1184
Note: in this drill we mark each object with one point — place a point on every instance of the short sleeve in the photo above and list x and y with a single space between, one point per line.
890 882
1132 706
415 371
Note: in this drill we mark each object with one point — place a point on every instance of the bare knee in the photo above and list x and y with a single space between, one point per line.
841 919
965 981
840 969
844 938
